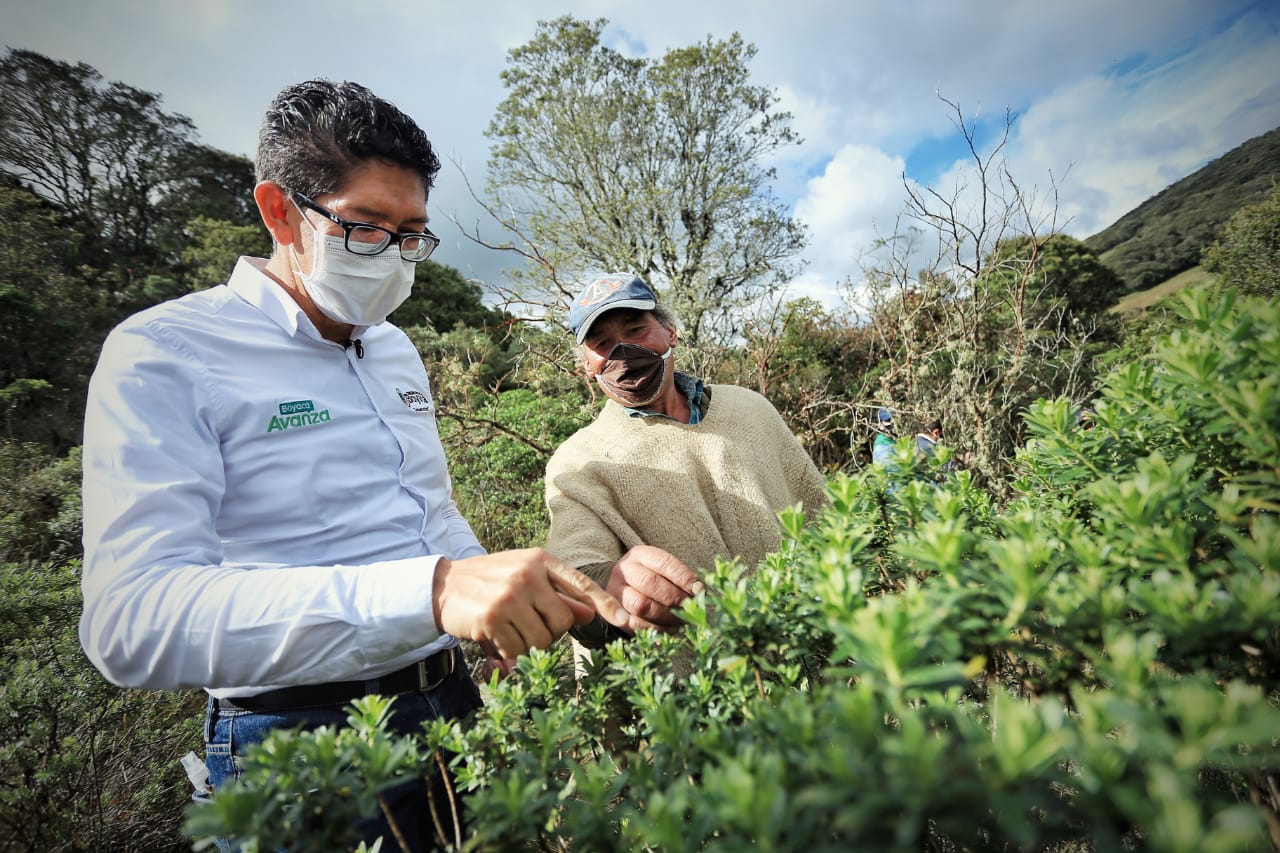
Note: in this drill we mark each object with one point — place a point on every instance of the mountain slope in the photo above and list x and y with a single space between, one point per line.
1165 234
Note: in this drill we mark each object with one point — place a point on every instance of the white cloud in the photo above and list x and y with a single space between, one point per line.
853 202
1126 137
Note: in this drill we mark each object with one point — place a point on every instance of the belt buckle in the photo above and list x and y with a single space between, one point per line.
424 675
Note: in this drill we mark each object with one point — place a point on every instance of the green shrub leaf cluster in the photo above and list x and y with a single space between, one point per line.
1090 665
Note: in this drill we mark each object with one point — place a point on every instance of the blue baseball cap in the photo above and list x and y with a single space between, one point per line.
604 293
884 416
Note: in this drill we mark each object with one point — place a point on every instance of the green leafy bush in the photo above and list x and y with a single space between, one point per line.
1091 665
83 764
353 764
1247 256
497 455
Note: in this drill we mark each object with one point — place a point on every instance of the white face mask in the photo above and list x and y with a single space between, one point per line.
357 289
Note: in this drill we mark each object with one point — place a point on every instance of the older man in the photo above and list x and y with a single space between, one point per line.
267 509
673 473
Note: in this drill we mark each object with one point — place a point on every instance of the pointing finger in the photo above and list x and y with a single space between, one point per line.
574 584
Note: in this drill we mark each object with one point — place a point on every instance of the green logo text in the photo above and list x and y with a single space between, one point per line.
297 413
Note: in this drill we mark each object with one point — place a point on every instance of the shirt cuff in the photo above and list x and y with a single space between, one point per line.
394 602
597 633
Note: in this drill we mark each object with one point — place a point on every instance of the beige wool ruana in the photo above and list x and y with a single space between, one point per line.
699 492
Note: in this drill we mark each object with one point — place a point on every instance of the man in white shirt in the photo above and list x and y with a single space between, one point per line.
267 509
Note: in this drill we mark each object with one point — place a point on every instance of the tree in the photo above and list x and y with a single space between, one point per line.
1066 274
600 161
212 247
211 183
51 322
443 300
1247 256
999 316
130 175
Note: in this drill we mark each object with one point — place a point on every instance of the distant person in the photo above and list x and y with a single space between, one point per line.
267 509
928 438
673 472
882 448
927 442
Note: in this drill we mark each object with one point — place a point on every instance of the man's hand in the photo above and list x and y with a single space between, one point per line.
651 583
517 600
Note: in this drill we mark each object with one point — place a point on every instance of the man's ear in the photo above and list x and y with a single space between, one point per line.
275 208
671 336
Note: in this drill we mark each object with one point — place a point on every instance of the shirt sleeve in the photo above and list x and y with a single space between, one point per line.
804 481
462 540
577 535
161 607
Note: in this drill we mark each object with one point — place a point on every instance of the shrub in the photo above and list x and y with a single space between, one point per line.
497 456
1092 665
40 511
1247 256
84 764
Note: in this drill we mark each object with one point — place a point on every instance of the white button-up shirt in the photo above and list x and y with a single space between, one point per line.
262 507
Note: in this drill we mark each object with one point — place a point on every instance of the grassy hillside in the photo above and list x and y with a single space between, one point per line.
1165 235
1140 300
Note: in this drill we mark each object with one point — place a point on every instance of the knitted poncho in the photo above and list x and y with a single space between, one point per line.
699 492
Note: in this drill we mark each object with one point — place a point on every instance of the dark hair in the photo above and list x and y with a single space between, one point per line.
933 426
315 133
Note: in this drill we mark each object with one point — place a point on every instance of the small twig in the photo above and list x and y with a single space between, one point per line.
391 821
453 802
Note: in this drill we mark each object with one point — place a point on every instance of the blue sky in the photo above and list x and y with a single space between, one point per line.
1112 101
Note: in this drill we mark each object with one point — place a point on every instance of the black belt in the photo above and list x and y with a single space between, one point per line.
425 675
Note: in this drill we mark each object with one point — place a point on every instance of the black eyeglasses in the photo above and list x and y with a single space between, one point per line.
361 238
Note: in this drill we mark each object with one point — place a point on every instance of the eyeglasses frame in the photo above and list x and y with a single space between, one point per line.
348 226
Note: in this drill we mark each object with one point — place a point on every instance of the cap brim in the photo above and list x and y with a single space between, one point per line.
638 304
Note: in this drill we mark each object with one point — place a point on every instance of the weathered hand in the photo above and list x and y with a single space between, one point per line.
651 583
517 600
494 662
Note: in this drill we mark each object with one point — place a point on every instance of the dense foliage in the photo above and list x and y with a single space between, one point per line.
126 175
1093 665
108 204
1247 256
83 764
1164 235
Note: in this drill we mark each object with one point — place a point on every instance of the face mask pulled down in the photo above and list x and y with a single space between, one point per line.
634 375
357 289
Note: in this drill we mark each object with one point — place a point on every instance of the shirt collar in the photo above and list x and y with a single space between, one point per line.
250 281
698 395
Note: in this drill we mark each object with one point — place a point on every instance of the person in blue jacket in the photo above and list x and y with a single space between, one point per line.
882 448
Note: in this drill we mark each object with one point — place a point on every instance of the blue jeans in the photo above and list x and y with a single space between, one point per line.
228 732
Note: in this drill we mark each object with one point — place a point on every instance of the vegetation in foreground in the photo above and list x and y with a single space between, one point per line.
1093 665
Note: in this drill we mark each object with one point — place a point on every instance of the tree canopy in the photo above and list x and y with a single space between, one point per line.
1247 256
126 173
443 299
655 166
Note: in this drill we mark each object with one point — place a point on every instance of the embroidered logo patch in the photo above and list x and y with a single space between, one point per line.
297 413
415 400
600 289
